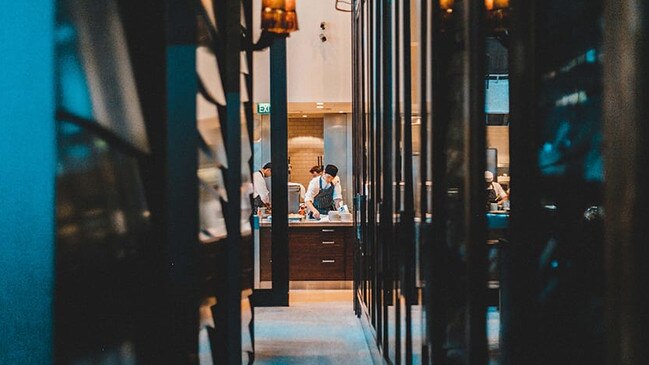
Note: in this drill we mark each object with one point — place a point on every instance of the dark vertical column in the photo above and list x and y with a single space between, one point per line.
145 25
408 213
431 295
626 89
232 87
356 177
397 74
181 191
249 105
397 244
387 202
518 269
364 113
369 133
375 155
475 225
379 176
365 250
27 167
279 159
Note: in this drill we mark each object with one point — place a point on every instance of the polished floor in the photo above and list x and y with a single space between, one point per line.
319 327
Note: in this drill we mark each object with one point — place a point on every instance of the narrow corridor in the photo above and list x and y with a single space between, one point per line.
319 327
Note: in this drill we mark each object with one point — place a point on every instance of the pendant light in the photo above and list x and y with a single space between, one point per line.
278 16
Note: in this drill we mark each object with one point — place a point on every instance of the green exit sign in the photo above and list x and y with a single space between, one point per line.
263 108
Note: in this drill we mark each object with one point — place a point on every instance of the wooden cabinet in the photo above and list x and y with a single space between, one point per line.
265 269
315 253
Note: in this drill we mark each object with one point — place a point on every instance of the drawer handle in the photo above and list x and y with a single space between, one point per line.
328 261
328 242
328 230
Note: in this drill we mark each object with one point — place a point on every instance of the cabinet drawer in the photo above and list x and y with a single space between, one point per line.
311 238
315 253
317 266
330 233
325 233
317 244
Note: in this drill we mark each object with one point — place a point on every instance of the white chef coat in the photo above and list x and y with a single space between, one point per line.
260 188
314 189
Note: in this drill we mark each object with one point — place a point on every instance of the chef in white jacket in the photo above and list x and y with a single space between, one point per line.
323 193
261 195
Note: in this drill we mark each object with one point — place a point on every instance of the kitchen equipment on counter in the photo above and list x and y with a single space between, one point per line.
346 217
293 217
293 197
334 216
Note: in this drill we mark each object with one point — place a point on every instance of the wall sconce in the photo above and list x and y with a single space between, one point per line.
489 4
278 16
496 4
446 5
291 16
446 14
497 17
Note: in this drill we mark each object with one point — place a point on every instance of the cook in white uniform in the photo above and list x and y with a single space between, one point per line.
495 192
261 195
323 194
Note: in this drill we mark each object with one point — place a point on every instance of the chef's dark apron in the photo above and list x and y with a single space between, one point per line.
492 197
324 201
256 201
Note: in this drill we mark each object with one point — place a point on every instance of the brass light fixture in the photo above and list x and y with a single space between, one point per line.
278 16
291 16
446 15
496 4
446 5
497 15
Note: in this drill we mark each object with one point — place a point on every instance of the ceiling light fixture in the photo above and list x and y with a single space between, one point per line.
278 16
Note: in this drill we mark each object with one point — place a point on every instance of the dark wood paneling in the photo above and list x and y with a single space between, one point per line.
349 255
265 254
322 253
317 263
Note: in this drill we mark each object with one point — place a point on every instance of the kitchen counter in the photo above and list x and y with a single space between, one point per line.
498 220
323 222
318 250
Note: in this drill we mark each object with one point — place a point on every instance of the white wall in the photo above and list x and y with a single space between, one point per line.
317 71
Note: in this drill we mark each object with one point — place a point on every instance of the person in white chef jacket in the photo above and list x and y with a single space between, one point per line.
261 195
323 193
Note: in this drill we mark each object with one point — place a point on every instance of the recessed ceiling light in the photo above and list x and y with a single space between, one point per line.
320 107
319 103
340 111
303 115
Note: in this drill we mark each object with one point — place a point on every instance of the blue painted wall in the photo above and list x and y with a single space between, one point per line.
27 172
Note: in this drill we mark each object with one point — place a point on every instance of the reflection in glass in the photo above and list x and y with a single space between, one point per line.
569 104
95 79
102 226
